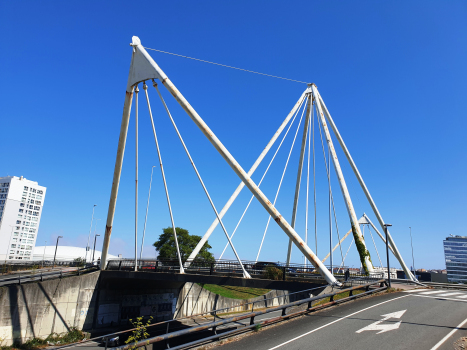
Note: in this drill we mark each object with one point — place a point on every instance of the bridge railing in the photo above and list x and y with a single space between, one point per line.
369 288
261 269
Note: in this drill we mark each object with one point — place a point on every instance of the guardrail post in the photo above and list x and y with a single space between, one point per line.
42 277
252 320
120 266
309 304
167 345
284 271
351 293
19 278
60 274
284 311
211 269
331 298
155 268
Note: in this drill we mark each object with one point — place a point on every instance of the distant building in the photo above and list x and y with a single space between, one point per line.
21 203
65 253
455 253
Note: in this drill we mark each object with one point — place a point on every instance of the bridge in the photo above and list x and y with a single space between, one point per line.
144 70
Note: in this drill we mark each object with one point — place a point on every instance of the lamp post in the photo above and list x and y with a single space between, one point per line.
387 252
89 236
56 246
43 255
94 250
413 260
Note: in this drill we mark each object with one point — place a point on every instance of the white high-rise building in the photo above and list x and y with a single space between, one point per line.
21 203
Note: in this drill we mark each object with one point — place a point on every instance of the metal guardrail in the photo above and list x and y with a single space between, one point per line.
29 276
251 315
262 270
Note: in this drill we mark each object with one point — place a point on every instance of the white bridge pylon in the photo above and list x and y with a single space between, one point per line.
143 68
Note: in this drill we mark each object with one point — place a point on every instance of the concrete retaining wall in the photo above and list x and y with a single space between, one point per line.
194 299
39 309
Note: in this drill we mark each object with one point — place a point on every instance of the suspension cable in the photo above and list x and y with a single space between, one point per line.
329 180
314 179
374 243
245 273
353 239
182 270
280 183
226 66
265 172
307 185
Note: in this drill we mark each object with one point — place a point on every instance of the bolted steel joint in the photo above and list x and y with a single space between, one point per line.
136 88
145 87
154 83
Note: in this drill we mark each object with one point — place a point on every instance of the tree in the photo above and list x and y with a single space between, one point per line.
166 248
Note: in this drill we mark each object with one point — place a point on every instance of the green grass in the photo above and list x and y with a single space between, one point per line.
235 292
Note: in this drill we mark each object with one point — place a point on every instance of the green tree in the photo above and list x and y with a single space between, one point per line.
166 248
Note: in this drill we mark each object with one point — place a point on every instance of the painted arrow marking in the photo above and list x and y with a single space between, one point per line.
376 326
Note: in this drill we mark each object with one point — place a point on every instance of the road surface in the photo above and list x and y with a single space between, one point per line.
414 319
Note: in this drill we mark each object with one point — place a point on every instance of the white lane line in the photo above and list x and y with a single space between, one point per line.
437 297
340 319
414 290
449 335
462 296
448 294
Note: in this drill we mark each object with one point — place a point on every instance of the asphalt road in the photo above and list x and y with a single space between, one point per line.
416 319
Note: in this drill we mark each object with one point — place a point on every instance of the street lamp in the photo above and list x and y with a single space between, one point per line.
43 255
95 237
413 260
89 236
56 246
387 252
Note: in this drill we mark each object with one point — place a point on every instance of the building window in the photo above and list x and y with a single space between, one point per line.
38 197
21 210
33 190
38 202
21 205
18 222
25 188
40 192
13 246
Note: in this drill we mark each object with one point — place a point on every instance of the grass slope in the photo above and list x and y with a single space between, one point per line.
235 292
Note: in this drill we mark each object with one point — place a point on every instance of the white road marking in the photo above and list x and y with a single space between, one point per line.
462 296
448 294
436 297
414 290
335 321
433 292
449 335
382 328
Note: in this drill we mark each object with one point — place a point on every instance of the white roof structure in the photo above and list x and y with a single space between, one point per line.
68 253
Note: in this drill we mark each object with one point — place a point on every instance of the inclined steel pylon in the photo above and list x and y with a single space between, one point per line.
143 68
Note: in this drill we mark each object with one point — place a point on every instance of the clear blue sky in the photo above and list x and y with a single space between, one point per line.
392 74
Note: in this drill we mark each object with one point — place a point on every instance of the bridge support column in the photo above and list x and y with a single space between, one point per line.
359 241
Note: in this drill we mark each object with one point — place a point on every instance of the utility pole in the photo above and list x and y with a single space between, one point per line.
89 236
387 252
413 260
94 250
56 246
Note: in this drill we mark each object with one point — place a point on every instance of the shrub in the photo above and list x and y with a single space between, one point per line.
273 273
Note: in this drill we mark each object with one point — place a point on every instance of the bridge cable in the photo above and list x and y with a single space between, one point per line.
136 179
280 183
329 180
262 178
374 243
182 270
245 273
314 178
226 66
307 183
342 265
